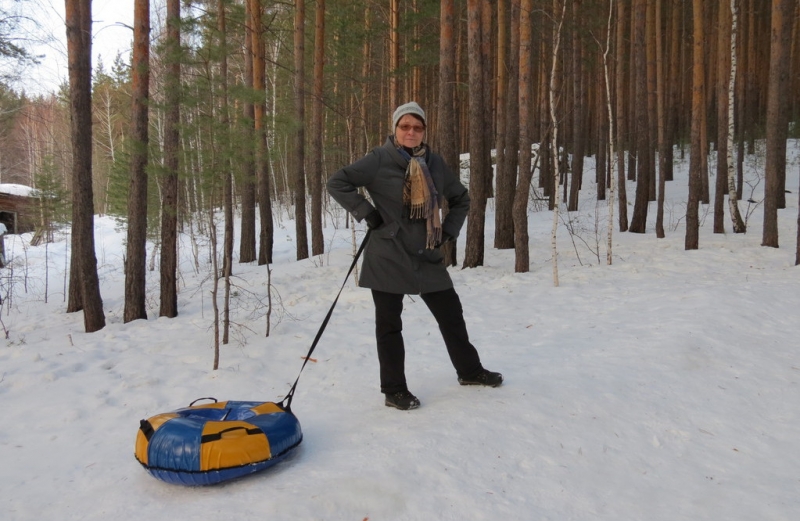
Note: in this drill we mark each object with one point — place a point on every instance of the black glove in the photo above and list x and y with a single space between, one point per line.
446 237
374 219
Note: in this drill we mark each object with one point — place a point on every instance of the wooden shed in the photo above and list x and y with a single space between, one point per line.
19 208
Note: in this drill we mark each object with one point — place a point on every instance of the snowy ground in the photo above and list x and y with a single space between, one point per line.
663 387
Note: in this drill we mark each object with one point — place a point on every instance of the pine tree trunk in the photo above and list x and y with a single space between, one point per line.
473 256
620 120
723 55
84 285
446 118
169 204
317 240
664 148
136 254
504 60
247 183
299 134
639 220
692 241
777 118
266 226
520 209
507 176
394 53
222 163
578 134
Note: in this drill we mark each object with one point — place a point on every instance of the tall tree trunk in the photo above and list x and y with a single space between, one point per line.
692 241
317 240
222 163
673 85
487 56
664 148
578 134
169 204
554 92
777 118
520 210
248 146
621 120
639 220
502 151
652 98
736 217
84 285
266 226
394 53
507 176
723 66
137 195
446 118
299 134
473 256
614 170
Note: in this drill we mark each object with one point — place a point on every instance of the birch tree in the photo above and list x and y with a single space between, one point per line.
611 138
733 199
554 139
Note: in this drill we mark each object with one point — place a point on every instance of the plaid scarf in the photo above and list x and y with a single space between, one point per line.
420 195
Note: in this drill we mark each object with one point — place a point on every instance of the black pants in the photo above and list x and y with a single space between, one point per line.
447 310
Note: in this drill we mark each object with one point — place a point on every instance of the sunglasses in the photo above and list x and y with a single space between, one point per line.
416 128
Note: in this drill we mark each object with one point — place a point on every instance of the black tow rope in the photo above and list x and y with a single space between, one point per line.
286 403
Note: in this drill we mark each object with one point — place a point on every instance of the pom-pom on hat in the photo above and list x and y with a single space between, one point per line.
409 108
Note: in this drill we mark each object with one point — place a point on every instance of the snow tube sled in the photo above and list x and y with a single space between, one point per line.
215 442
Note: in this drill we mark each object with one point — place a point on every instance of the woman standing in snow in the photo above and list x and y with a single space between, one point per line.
407 183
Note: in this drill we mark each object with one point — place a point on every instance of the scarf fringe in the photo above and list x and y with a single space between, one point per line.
421 197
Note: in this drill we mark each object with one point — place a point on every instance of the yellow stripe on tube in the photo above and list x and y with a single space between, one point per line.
232 444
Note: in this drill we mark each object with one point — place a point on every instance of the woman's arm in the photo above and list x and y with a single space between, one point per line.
344 184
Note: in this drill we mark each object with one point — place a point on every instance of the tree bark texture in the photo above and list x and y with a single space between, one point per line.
777 118
135 275
473 256
169 189
84 288
301 233
692 241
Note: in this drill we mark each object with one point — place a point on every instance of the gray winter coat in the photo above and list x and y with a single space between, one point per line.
395 259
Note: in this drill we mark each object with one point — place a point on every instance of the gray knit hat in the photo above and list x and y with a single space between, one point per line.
409 108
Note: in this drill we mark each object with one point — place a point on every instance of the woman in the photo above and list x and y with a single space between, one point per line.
407 183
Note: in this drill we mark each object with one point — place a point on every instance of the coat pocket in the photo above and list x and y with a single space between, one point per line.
384 242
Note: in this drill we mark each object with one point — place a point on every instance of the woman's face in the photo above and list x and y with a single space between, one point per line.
409 131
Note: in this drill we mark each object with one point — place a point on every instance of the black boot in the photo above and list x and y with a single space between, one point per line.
402 400
487 378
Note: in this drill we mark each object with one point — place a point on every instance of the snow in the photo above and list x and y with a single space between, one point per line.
16 189
662 387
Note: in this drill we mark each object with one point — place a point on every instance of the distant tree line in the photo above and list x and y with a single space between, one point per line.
248 105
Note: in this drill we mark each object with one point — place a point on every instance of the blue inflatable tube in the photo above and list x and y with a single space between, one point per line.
216 442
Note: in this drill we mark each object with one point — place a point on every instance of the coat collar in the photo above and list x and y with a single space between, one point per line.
399 159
